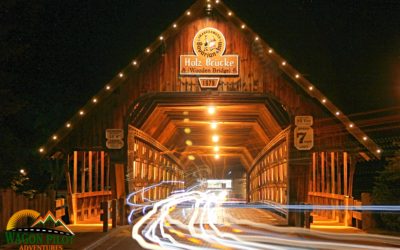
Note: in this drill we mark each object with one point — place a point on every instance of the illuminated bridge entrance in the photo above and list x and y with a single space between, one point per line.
210 99
207 136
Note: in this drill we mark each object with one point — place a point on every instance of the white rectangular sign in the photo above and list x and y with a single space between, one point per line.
114 134
303 120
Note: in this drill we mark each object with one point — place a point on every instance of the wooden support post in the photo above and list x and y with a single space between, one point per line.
83 175
104 215
322 172
114 212
102 171
96 172
74 208
333 182
367 219
348 201
90 165
314 188
75 186
345 179
69 187
121 211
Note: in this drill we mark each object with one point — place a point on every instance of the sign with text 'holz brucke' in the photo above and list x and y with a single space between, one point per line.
209 60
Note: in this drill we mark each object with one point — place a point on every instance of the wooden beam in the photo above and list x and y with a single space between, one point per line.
323 172
90 187
75 187
83 174
345 177
102 171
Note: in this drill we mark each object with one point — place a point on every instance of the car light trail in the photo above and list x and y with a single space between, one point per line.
201 227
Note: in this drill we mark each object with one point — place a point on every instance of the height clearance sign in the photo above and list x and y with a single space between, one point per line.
209 60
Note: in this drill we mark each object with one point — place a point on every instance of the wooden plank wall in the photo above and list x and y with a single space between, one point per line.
268 178
149 165
11 202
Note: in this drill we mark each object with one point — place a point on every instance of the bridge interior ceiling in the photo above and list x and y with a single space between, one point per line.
187 130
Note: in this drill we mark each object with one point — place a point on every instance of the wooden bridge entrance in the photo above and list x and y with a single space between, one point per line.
210 97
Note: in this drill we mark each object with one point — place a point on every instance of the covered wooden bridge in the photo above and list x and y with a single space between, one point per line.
209 98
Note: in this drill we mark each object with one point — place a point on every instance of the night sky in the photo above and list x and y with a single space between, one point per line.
57 54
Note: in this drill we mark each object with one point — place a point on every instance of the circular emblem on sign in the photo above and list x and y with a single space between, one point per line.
209 42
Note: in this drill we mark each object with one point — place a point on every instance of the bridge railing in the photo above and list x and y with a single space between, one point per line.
341 208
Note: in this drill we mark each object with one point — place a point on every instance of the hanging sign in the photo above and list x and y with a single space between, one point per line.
114 133
114 138
114 144
303 120
209 60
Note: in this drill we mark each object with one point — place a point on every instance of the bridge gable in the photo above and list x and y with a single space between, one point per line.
156 69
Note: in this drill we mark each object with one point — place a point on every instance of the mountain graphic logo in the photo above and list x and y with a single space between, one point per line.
49 221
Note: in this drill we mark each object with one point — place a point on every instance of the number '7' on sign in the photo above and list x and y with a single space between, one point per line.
303 138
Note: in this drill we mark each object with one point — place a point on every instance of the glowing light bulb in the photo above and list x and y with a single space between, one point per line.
81 112
216 156
324 100
120 75
213 125
148 50
188 13
108 87
94 100
256 38
174 25
187 130
161 38
188 142
351 125
270 51
68 125
211 110
191 157
283 63
297 76
337 113
229 13
216 149
41 150
378 151
243 26
55 137
215 138
365 138
134 63
311 88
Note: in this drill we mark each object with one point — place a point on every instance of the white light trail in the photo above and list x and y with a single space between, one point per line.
201 227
